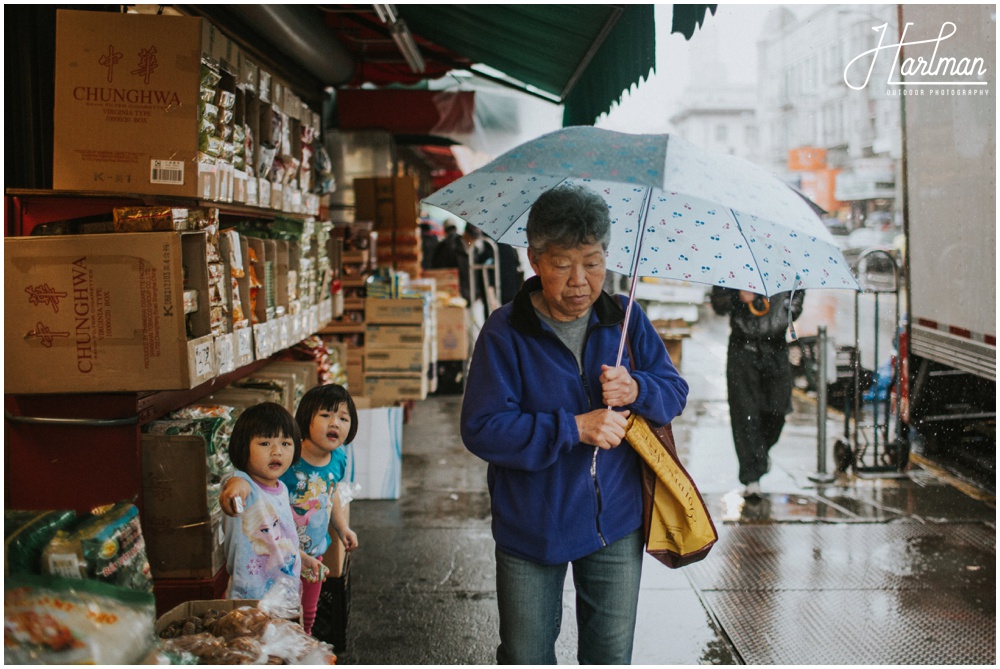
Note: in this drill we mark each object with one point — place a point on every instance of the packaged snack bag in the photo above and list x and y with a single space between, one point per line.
105 546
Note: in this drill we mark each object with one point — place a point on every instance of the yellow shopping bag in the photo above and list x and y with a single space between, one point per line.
679 529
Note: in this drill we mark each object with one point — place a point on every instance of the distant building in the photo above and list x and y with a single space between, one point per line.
715 113
840 146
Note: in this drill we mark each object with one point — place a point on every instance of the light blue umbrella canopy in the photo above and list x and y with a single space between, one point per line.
677 211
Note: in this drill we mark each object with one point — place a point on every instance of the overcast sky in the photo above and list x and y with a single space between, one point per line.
732 32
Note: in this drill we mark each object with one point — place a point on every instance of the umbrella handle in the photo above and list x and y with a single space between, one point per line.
759 312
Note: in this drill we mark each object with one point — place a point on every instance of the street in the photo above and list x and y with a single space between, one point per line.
898 569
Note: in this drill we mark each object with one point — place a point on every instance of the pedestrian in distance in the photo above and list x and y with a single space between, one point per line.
455 251
758 374
327 415
564 489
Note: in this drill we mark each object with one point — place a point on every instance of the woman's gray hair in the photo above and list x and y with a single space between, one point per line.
568 216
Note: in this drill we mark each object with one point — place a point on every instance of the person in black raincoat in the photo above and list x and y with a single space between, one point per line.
758 374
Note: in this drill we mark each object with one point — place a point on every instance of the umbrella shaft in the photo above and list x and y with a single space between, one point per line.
646 199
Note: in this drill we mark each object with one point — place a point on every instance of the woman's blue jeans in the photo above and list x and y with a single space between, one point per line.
529 596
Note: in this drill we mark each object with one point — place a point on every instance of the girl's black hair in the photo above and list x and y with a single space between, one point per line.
327 397
267 419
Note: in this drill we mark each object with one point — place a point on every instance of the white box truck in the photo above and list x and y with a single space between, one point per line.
949 170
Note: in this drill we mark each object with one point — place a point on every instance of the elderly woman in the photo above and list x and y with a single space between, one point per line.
564 488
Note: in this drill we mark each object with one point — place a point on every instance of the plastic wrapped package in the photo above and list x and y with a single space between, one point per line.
210 145
290 643
210 76
190 301
49 620
278 170
283 599
209 112
239 139
246 621
26 534
106 546
204 647
225 99
326 182
255 284
243 635
266 162
150 219
249 149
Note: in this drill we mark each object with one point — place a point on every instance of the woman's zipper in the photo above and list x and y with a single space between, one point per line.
593 462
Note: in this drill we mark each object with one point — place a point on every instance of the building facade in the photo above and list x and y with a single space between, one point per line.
840 144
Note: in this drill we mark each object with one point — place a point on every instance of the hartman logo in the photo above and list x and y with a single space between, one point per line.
925 63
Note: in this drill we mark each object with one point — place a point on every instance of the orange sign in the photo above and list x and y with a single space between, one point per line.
806 159
819 187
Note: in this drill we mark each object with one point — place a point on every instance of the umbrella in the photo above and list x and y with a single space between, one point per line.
677 211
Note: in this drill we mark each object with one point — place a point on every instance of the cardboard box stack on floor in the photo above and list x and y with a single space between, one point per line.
396 352
452 329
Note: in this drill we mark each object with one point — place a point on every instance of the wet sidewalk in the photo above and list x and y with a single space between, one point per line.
890 570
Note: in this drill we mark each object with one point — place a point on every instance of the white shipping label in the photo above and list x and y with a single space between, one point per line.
170 172
244 342
203 360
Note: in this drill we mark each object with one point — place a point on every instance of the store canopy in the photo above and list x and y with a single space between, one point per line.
581 56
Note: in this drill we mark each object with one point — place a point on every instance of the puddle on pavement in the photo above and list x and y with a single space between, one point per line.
778 507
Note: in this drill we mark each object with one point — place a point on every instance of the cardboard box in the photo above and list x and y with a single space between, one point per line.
389 388
452 333
355 369
242 398
105 313
402 311
182 539
390 202
395 336
308 372
126 116
446 280
394 360
199 607
374 458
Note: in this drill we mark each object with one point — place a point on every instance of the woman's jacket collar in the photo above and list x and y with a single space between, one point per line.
524 319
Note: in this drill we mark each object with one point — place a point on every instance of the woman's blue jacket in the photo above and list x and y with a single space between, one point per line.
553 500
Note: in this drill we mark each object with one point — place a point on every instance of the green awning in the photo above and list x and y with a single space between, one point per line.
583 56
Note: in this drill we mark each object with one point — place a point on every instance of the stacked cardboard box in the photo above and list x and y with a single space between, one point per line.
157 310
389 202
97 313
396 349
167 105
